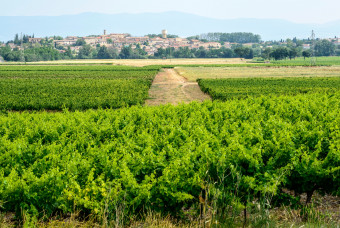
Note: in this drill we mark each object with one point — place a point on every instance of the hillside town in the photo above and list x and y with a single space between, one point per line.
119 40
163 45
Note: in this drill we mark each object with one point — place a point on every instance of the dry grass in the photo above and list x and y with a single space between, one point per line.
169 87
152 220
146 62
277 217
193 73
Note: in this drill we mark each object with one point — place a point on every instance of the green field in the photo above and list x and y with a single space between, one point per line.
163 158
330 60
73 87
265 146
224 89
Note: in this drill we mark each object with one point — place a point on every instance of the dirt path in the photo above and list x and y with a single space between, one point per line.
170 87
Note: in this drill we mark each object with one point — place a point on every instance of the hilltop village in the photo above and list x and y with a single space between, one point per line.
120 40
123 45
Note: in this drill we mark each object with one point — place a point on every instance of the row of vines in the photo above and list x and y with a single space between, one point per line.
169 159
73 87
240 88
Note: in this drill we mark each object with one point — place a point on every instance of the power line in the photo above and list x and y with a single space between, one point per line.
22 50
312 48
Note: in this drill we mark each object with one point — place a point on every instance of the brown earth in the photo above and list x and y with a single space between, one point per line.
169 87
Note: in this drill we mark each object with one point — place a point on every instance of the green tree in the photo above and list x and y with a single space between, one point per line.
237 37
244 52
161 53
184 53
140 51
126 53
293 53
324 48
106 53
25 39
201 53
68 52
306 54
16 41
266 53
85 52
5 51
280 53
80 42
102 53
57 38
227 53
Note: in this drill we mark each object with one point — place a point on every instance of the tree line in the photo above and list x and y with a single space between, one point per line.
236 37
321 48
47 51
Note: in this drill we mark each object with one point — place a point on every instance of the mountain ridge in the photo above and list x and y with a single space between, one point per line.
140 24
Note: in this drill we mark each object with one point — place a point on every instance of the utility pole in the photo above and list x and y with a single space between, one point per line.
22 57
312 48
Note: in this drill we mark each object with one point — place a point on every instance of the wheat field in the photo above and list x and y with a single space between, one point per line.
145 62
194 73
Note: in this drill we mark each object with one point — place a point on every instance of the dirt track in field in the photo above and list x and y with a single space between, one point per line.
170 87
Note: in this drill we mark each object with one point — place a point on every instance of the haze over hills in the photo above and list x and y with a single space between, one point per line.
182 24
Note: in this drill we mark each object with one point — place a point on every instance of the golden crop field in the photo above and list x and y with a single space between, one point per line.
193 73
145 62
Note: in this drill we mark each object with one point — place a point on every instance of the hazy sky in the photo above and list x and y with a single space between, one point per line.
301 11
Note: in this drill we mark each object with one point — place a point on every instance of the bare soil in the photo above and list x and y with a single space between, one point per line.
170 87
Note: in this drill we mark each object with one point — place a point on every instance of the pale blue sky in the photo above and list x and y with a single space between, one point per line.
301 11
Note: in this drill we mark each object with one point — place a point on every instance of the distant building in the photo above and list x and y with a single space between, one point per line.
164 33
306 46
90 40
336 41
72 38
118 35
227 45
210 45
65 42
35 40
75 49
149 45
12 45
248 45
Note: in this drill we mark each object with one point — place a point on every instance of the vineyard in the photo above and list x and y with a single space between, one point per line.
165 158
262 144
224 89
73 87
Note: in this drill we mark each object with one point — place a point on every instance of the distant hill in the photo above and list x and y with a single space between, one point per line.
182 24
